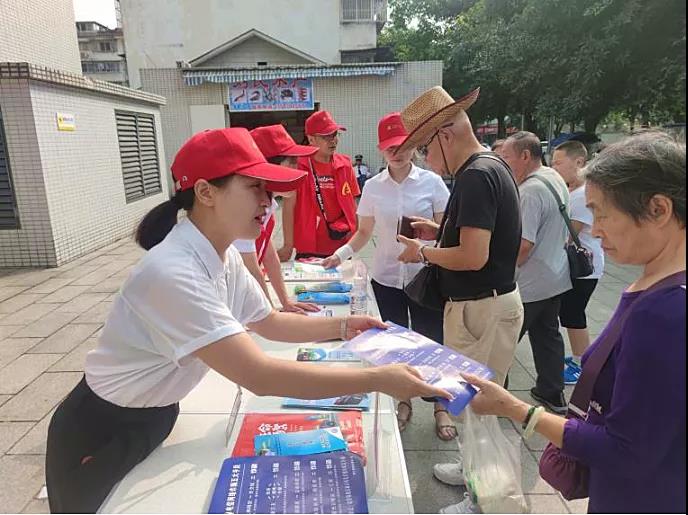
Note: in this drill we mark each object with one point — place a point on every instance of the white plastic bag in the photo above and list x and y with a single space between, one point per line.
491 465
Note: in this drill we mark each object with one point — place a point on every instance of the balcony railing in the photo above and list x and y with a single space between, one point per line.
364 11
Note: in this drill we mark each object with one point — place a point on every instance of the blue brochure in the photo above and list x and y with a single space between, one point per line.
360 401
300 443
319 483
439 365
320 354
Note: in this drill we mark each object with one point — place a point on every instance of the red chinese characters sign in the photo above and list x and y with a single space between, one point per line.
272 95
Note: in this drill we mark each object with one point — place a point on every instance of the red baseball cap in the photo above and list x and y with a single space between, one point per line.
216 153
274 140
391 131
321 123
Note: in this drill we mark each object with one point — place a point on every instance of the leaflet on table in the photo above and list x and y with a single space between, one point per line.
350 424
324 312
320 354
331 287
318 483
360 401
311 272
300 443
439 365
326 299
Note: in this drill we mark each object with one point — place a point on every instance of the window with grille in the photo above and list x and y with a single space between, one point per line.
9 217
138 150
357 10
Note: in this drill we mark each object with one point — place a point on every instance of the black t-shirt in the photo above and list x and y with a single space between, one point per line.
484 196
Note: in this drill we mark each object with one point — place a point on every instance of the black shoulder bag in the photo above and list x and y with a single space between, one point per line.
580 258
333 233
424 288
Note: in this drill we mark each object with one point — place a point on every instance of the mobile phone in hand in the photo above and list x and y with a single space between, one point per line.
405 228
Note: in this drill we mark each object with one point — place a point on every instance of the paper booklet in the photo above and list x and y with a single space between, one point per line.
439 365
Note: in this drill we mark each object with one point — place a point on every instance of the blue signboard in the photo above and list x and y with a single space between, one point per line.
272 95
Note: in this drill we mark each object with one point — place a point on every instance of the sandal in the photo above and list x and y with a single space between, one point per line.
403 421
442 429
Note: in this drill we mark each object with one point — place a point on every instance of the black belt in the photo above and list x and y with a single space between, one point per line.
484 295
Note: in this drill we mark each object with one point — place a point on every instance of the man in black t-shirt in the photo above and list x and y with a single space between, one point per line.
479 238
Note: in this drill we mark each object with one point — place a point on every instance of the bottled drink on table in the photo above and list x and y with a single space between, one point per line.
359 290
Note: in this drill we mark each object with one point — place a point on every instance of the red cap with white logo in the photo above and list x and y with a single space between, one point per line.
391 131
216 153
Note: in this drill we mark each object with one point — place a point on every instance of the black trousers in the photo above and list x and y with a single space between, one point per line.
541 322
395 306
93 444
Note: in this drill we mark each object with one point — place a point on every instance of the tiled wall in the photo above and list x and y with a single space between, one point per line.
31 244
68 185
82 169
41 32
357 103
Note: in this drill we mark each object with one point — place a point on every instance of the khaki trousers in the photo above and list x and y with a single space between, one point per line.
486 330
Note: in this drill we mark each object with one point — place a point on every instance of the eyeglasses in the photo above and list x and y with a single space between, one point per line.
423 149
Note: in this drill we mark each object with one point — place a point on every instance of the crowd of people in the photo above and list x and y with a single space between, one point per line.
494 255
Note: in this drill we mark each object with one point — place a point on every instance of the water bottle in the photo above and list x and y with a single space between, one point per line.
359 291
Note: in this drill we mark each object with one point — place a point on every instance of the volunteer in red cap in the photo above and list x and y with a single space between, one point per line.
402 189
322 216
278 147
184 310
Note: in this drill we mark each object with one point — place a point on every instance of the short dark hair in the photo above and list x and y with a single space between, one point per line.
633 170
573 149
524 140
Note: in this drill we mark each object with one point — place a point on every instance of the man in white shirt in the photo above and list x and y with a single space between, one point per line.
569 159
543 273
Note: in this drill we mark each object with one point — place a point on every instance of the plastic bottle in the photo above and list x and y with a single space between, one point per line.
359 291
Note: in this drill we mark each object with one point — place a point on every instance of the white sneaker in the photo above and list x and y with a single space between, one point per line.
465 506
449 473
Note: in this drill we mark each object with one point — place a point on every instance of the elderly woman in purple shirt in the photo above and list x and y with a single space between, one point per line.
634 438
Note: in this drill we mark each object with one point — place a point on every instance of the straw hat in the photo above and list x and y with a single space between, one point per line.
429 112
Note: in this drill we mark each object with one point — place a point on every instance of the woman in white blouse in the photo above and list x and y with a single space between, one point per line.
401 189
182 311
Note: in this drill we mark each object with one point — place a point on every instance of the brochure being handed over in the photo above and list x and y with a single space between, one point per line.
439 365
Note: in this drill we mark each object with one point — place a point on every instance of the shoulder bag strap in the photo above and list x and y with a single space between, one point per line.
562 209
580 399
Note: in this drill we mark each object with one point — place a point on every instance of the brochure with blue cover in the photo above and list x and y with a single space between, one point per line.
318 483
320 354
324 298
360 401
439 365
300 443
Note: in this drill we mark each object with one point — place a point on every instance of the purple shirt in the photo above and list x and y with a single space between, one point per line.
634 440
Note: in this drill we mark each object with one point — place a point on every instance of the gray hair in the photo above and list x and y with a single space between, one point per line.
635 169
524 140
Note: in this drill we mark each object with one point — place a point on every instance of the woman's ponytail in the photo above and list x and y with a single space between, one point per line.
161 219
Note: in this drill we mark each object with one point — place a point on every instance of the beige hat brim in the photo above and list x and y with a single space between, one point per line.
421 134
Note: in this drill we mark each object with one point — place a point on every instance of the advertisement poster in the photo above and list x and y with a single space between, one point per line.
272 95
321 483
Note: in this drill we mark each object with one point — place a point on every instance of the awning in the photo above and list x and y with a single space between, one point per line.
196 77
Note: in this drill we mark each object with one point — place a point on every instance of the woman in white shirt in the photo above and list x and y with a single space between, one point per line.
402 189
183 310
279 148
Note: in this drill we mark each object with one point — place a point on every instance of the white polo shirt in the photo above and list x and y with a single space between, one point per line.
179 298
423 193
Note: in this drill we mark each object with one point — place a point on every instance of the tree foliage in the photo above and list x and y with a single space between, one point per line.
574 61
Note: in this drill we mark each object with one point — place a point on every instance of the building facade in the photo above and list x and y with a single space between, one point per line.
102 52
162 33
81 160
265 62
